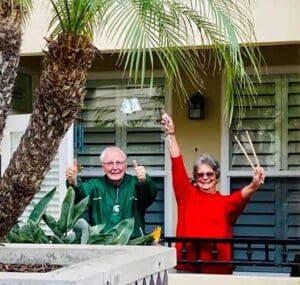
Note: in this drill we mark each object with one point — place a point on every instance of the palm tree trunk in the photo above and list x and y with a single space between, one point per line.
58 101
10 42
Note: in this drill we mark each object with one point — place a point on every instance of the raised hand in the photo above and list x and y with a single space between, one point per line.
258 176
167 124
140 171
71 173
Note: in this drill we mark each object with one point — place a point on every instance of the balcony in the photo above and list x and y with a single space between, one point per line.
258 261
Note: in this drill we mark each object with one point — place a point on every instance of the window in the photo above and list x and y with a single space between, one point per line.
273 123
115 113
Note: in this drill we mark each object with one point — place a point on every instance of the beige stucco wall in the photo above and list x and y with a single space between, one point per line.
199 136
276 21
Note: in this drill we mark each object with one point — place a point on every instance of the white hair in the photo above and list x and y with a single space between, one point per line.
108 149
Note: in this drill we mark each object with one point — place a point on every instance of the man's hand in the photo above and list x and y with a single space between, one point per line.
71 173
140 171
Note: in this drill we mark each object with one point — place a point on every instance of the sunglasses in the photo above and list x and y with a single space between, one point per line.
203 174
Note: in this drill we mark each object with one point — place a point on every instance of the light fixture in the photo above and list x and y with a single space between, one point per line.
196 106
130 106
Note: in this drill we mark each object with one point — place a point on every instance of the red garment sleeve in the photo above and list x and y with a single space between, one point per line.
181 181
236 204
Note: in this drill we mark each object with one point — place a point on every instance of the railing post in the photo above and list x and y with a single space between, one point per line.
284 253
266 252
249 251
215 251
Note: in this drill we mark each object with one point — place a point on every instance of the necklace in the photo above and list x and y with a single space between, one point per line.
116 206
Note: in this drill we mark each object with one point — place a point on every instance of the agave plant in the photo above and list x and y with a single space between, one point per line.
70 228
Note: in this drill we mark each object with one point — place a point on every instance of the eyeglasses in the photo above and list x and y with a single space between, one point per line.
203 174
111 164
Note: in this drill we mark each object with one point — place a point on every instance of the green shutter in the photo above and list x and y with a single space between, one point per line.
261 120
293 124
273 122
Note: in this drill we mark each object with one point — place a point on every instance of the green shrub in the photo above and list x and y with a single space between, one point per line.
70 228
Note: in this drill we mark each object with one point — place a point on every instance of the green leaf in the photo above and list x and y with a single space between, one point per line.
95 230
55 239
79 209
14 237
26 234
66 214
100 239
121 232
146 239
52 224
81 229
38 234
41 207
70 238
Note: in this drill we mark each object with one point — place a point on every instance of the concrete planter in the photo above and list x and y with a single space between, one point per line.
89 264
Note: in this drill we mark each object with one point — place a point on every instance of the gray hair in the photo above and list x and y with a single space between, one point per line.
110 148
208 160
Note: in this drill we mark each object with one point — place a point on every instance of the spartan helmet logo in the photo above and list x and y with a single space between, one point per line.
116 209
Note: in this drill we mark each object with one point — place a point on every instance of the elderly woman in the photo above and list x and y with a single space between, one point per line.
202 211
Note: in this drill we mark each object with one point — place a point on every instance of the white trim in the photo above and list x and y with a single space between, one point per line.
224 164
14 124
168 193
66 154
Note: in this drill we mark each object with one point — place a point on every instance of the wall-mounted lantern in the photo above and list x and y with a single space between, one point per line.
196 107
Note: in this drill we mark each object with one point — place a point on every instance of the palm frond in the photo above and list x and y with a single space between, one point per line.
78 18
171 31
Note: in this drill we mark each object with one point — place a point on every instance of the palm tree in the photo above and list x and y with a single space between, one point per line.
12 14
144 29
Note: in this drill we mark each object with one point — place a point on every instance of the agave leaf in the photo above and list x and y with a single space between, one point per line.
95 230
100 239
121 232
52 224
26 234
146 239
70 238
79 209
41 207
14 237
39 235
66 214
81 229
56 239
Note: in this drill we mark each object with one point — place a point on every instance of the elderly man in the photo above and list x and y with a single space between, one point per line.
117 195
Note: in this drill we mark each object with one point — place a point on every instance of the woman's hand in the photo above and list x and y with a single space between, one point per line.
167 124
258 176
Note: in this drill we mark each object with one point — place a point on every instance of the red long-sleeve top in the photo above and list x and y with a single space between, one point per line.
204 215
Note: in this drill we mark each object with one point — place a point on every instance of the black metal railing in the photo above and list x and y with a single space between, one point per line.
287 252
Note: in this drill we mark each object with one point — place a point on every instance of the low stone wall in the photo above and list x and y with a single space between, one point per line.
89 264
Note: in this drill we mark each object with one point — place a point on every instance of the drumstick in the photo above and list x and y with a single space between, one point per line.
245 153
253 149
